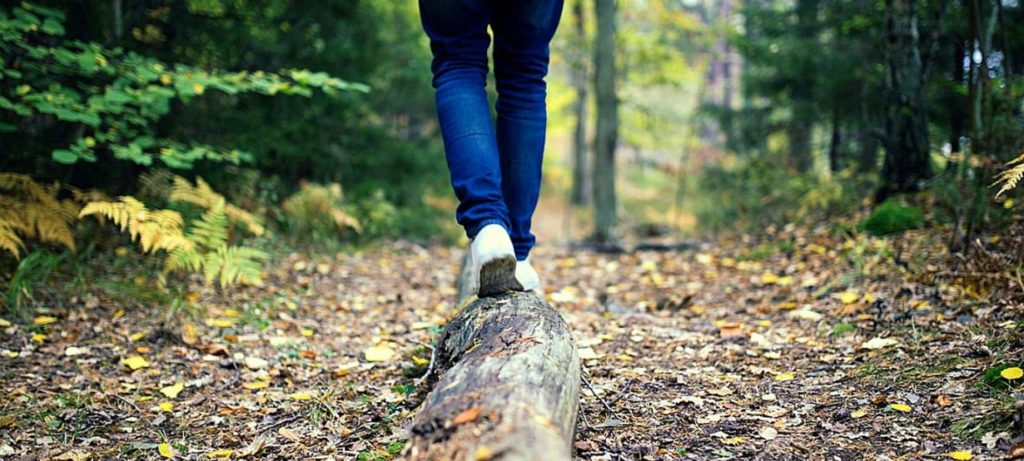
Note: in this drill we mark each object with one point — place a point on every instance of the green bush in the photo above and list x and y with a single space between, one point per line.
893 218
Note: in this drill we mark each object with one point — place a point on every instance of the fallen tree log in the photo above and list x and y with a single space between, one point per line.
506 379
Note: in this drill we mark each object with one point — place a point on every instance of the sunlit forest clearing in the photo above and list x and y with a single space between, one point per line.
767 229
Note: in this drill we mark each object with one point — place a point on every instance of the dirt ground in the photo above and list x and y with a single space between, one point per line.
807 345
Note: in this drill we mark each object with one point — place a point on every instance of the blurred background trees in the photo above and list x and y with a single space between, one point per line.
667 117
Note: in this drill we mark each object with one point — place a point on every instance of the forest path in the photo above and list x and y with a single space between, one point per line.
784 350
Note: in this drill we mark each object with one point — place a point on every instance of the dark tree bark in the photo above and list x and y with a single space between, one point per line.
834 163
579 194
606 135
906 122
957 113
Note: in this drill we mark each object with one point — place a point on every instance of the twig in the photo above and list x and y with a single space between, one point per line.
430 366
583 376
129 402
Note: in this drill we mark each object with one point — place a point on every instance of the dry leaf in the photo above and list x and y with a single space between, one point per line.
466 416
255 363
721 392
135 362
878 343
380 353
587 353
301 396
224 453
256 385
901 407
943 400
289 434
961 455
768 433
172 391
165 450
44 320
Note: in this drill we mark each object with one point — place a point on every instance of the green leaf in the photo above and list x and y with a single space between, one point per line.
65 156
53 27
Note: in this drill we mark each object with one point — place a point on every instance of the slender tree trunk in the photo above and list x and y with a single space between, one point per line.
801 124
906 122
957 114
579 139
606 135
868 157
833 149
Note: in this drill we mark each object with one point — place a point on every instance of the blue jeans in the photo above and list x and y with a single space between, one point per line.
495 167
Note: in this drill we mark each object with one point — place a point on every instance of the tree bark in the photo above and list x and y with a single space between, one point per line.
506 385
606 136
906 122
579 140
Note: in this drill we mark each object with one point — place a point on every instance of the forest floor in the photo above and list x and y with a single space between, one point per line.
808 346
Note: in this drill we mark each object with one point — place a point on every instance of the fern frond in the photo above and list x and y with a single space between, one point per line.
91 195
155 230
229 265
1012 176
156 183
10 241
211 230
185 257
202 195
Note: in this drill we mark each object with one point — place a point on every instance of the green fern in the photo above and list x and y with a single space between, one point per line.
210 231
234 264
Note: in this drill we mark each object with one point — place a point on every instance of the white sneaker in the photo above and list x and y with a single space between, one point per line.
527 276
494 262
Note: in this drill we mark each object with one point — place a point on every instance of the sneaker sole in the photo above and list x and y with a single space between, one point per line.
498 276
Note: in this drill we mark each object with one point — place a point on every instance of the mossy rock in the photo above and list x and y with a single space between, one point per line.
893 218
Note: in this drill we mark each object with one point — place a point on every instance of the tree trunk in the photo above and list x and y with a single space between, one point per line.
906 122
801 123
579 139
506 384
833 148
606 135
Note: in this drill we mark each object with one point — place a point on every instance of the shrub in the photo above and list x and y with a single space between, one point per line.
318 211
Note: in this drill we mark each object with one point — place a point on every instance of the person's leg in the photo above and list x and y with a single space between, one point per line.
522 33
458 39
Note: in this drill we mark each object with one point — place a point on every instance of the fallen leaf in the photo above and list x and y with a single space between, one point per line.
44 320
878 343
848 297
165 450
301 396
256 385
72 351
172 391
768 433
859 413
901 407
289 434
483 454
381 353
38 337
721 392
135 362
1012 373
255 363
943 400
466 416
587 353
222 453
166 406
961 455
784 376
4 323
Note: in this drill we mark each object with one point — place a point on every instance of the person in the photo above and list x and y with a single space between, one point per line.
495 166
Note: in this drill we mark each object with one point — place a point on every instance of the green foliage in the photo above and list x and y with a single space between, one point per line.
892 218
115 98
34 269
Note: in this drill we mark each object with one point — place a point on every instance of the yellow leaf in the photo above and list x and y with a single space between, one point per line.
848 297
135 362
901 407
301 396
784 376
381 353
38 337
11 354
4 323
256 385
733 440
420 361
166 406
136 336
306 332
1012 373
44 320
769 278
220 323
483 453
165 450
198 88
172 391
961 455
859 414
222 453
165 79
